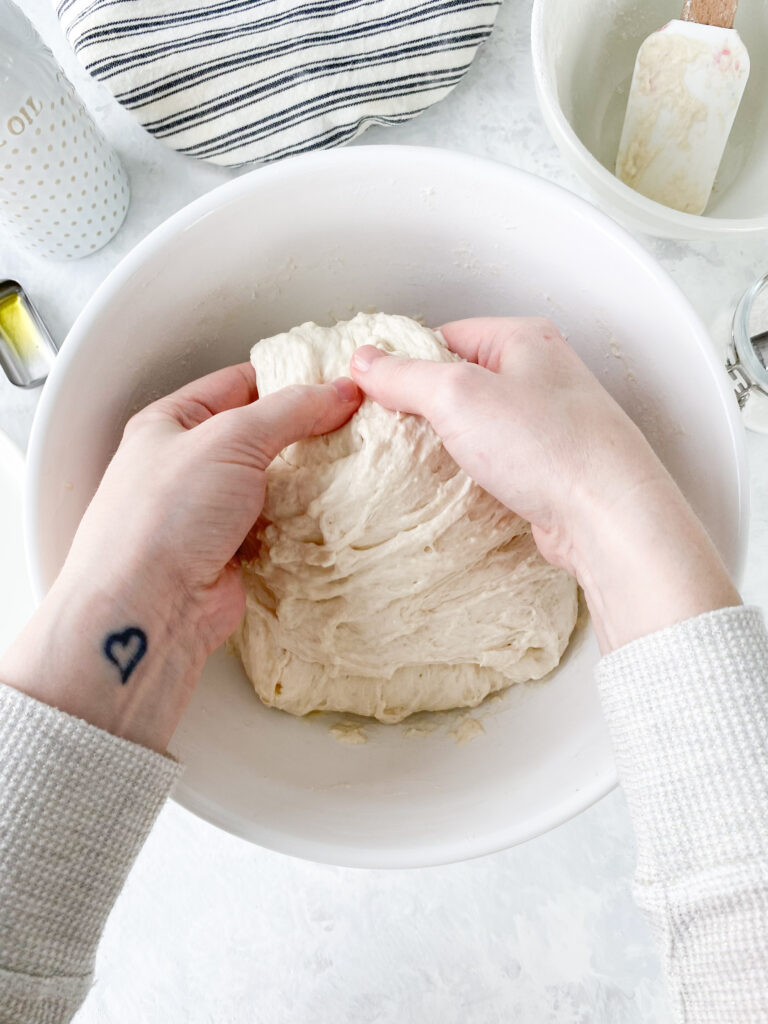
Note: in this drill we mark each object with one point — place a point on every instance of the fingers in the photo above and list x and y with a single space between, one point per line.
264 428
404 385
412 385
487 340
217 392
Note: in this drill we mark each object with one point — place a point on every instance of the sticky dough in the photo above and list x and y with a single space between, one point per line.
386 581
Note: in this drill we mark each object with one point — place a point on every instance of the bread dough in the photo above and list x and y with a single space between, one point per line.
386 581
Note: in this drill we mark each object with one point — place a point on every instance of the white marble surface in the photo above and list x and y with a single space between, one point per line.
211 929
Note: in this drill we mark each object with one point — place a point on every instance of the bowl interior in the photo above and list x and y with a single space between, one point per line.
590 55
433 235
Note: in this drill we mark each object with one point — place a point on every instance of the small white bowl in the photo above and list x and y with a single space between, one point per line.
583 58
431 234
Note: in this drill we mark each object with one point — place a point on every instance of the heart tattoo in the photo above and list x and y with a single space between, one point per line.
125 650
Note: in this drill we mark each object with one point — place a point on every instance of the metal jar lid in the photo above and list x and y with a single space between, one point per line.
747 361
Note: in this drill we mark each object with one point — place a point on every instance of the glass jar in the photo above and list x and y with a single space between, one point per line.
63 191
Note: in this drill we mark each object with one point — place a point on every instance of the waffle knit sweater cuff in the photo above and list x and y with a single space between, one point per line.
687 708
76 804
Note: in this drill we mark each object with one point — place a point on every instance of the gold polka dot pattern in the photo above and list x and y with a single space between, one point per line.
63 191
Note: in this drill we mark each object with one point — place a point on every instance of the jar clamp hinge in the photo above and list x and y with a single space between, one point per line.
743 382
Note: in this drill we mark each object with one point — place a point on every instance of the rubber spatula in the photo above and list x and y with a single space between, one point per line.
688 82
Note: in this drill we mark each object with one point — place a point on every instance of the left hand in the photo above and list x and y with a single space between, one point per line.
187 484
155 553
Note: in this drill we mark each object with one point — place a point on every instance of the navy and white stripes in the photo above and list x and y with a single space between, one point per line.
238 81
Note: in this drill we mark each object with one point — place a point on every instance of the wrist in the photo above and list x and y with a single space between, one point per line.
120 654
645 562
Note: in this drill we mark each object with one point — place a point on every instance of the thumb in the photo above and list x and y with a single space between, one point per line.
293 413
397 383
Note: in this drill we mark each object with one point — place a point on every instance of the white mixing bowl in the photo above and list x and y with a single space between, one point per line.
430 234
583 57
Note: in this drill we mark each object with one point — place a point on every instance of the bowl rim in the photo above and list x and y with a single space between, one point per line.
645 212
231 191
425 855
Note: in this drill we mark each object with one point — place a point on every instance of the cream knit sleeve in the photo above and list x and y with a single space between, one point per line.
688 712
76 804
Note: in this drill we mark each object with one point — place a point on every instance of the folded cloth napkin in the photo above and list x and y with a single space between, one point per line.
238 81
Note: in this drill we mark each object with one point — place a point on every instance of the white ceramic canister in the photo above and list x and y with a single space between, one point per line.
63 191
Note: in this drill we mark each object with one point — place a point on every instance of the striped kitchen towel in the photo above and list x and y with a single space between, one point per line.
239 81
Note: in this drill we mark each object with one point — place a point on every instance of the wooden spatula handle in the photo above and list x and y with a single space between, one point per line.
710 12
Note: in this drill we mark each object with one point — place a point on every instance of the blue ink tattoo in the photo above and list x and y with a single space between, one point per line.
125 650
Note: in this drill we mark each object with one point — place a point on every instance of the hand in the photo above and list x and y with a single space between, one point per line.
187 484
525 418
151 584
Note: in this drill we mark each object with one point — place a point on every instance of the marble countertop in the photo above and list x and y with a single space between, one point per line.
212 929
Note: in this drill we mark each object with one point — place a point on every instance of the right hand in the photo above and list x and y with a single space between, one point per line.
526 419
